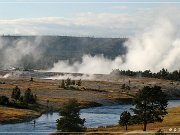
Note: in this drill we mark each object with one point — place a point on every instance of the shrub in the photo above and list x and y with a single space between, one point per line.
4 100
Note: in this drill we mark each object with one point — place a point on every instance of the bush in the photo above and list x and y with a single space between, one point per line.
4 100
21 105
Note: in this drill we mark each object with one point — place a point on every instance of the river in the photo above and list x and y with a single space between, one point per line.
96 116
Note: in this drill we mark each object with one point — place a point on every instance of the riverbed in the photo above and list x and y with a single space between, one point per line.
95 116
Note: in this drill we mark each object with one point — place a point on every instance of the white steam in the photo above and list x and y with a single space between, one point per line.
12 52
73 77
11 75
89 65
155 47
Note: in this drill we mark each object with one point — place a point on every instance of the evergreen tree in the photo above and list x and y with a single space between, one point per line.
68 82
73 82
29 97
63 84
123 86
150 105
79 82
16 93
125 119
70 120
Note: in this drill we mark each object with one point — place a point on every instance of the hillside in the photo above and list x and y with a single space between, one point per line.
54 48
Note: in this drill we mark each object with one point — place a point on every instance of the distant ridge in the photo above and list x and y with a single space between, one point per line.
70 48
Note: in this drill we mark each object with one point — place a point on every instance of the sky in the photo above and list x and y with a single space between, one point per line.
99 18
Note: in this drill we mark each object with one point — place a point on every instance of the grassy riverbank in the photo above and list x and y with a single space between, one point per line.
10 115
171 120
13 115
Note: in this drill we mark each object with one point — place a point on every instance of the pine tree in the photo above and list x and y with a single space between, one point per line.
29 97
70 120
79 82
125 119
63 84
16 93
150 105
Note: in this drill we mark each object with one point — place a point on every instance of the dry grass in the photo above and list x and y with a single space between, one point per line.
49 90
11 115
171 120
110 90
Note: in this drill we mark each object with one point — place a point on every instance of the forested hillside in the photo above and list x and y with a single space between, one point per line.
54 48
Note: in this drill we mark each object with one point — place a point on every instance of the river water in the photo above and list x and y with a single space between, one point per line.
96 116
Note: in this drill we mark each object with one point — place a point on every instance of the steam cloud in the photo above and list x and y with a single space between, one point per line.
89 65
155 47
77 77
13 52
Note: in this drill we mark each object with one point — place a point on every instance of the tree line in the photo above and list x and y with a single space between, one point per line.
162 74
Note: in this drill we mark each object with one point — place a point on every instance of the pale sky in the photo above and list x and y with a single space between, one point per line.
99 18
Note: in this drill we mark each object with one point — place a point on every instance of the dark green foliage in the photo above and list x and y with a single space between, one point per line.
123 86
29 97
16 93
68 81
162 74
73 82
4 100
62 84
21 99
125 119
21 105
79 82
70 120
150 105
